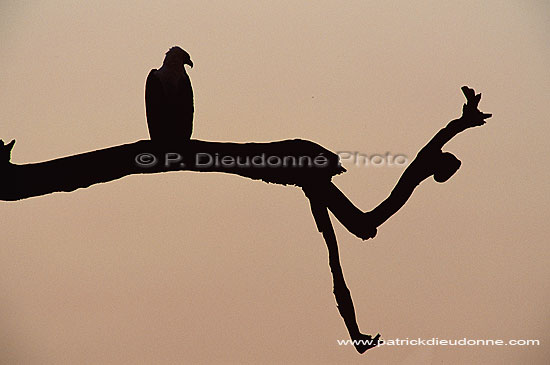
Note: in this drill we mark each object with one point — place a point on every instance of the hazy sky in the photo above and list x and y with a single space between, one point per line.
210 268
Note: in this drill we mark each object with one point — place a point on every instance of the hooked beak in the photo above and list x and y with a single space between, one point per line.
190 63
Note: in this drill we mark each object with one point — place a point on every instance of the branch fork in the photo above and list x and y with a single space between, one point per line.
81 171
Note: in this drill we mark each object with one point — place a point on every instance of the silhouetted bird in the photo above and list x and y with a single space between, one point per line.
169 99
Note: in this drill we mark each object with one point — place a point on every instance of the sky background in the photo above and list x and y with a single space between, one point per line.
211 268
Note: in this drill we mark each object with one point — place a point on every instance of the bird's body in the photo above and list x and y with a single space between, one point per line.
169 99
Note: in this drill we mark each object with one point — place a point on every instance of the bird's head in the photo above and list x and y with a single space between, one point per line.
178 56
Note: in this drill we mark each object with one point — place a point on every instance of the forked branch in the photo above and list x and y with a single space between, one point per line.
291 162
430 161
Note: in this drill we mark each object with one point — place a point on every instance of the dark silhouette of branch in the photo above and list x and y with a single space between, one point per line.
341 292
430 161
290 162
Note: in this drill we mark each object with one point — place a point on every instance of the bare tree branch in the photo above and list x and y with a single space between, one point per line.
430 161
290 162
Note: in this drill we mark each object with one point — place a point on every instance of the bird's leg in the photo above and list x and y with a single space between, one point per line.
362 342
